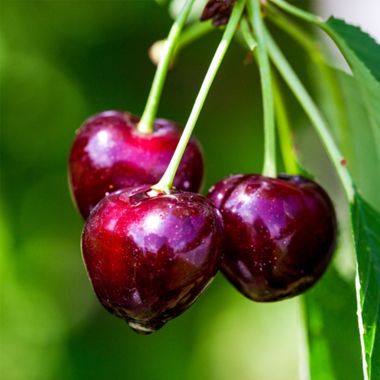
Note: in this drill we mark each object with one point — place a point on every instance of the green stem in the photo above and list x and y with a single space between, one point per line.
282 121
166 181
289 155
313 113
247 35
304 359
328 80
254 12
309 17
146 123
298 34
326 28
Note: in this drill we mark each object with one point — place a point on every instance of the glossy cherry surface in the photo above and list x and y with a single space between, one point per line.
150 255
279 233
109 154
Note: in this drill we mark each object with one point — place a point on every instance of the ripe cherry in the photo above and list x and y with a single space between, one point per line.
279 233
149 255
109 154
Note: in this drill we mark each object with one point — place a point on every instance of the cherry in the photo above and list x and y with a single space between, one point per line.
279 233
109 154
149 254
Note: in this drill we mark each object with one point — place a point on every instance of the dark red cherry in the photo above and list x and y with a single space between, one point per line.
279 233
109 154
150 255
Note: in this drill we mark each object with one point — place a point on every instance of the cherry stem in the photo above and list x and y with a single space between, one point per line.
289 26
147 120
254 12
289 154
312 112
167 179
247 35
329 81
286 140
336 39
300 13
303 337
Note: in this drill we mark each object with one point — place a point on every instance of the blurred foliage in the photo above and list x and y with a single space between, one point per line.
62 61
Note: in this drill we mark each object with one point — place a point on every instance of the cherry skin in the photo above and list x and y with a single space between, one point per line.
280 234
149 255
109 154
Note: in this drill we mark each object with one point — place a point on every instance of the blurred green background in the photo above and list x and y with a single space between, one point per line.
62 61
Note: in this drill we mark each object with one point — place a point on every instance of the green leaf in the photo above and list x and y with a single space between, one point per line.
363 55
361 44
363 161
332 329
366 226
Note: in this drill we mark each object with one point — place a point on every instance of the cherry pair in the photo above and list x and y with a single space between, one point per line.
151 253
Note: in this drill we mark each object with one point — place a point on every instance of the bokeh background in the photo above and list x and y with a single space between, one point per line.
62 61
